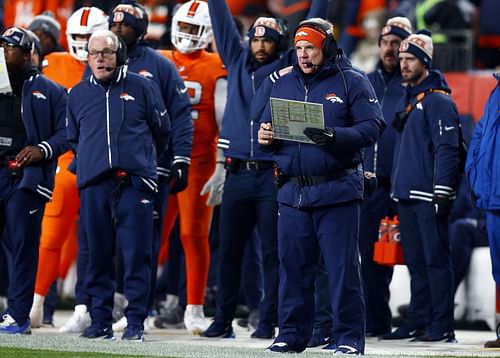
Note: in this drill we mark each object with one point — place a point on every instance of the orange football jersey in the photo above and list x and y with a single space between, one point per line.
200 70
63 68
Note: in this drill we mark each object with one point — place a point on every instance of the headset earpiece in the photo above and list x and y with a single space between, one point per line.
284 42
121 53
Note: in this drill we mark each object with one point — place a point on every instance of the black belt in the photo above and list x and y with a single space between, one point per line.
308 180
9 161
118 174
255 164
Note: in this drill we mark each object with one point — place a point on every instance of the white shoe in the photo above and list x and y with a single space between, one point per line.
79 320
3 304
120 325
148 324
194 319
36 313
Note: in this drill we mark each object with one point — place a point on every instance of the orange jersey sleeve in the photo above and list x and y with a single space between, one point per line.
200 71
63 68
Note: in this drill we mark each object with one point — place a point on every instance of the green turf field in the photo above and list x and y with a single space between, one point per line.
39 353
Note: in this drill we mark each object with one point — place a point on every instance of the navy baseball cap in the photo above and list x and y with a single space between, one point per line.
18 37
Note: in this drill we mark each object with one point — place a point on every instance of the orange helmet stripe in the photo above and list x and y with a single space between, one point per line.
192 9
85 17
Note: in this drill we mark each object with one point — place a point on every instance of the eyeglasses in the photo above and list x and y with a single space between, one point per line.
106 53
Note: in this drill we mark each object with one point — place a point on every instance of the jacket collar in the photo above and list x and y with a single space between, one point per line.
120 74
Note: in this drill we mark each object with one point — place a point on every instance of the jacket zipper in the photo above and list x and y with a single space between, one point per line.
108 129
251 120
300 169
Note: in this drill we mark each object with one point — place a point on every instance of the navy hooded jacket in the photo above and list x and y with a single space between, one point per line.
483 166
43 112
357 119
120 126
427 154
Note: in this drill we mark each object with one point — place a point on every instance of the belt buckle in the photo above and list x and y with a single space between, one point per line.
305 180
251 165
11 164
120 173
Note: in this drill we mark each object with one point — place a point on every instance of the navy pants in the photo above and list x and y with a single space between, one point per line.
21 213
302 235
118 214
248 202
493 225
376 278
82 261
427 254
323 319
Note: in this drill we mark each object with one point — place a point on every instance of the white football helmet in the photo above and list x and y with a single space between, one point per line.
84 21
195 13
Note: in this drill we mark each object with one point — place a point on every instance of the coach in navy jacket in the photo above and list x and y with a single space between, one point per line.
387 82
424 180
129 20
32 132
119 126
248 201
321 189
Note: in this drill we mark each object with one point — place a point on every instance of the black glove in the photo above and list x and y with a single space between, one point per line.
442 206
393 208
370 183
322 137
178 179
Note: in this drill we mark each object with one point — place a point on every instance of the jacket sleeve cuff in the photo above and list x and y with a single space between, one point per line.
443 190
182 159
46 150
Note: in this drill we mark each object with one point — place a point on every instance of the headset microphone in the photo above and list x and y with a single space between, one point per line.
109 69
310 65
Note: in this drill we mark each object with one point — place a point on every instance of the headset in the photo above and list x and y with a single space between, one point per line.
284 39
330 49
121 52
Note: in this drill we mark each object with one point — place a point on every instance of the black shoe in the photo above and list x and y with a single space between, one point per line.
403 332
345 349
251 322
171 318
447 337
493 344
321 337
264 332
219 329
242 322
98 330
377 333
133 332
282 347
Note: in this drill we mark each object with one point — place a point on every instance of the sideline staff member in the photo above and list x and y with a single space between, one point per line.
322 185
118 124
32 136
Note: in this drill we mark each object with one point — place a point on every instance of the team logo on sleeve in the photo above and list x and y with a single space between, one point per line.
145 73
332 97
38 94
126 97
